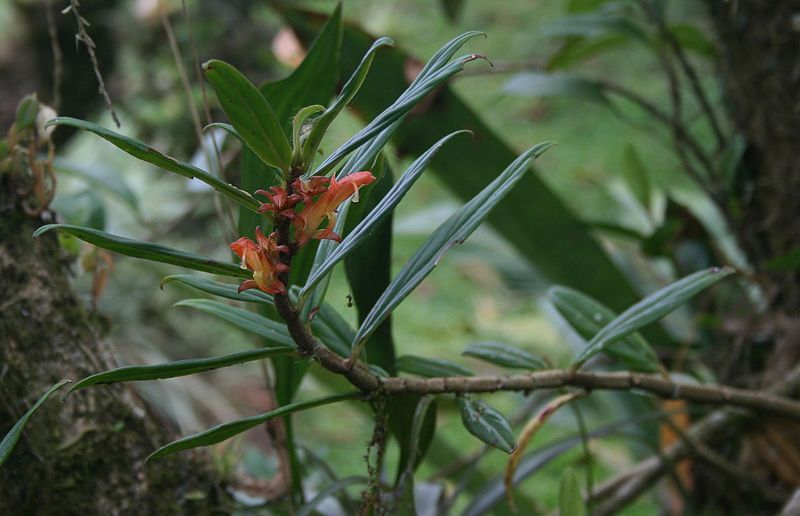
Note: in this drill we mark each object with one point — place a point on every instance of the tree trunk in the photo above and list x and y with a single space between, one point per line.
85 455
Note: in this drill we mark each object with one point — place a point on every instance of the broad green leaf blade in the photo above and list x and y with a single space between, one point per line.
147 250
637 177
339 485
13 435
428 79
453 231
587 316
274 332
540 84
349 90
486 423
652 308
249 113
225 431
146 153
570 502
430 367
383 209
505 355
177 368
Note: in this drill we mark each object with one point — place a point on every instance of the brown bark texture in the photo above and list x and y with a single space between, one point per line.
84 455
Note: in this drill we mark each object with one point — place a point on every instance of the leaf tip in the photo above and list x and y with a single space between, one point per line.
44 229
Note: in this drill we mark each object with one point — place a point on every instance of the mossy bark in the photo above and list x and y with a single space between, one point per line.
84 455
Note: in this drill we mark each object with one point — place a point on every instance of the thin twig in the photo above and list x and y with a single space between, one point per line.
55 48
83 37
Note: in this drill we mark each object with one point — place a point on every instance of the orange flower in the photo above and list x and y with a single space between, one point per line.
262 258
308 222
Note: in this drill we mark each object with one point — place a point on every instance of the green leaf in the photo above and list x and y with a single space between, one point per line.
587 316
370 223
146 153
505 355
430 367
225 431
578 49
249 113
540 84
596 24
486 423
692 38
147 250
650 309
13 435
349 90
217 288
438 70
27 109
453 231
178 368
411 451
274 332
570 502
636 176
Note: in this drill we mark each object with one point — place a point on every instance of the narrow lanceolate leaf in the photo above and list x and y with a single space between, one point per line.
486 423
177 368
227 430
13 435
368 225
349 90
570 501
274 332
430 367
249 113
505 355
652 308
587 317
339 485
147 250
541 84
436 72
453 231
217 288
146 153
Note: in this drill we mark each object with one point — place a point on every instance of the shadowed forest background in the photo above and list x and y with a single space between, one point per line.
677 126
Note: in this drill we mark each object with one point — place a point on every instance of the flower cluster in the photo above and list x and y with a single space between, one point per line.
310 206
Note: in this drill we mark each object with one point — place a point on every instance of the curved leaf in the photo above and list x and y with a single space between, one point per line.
453 231
650 309
146 153
339 485
177 368
570 501
13 435
273 331
505 355
486 423
249 113
147 250
225 431
430 367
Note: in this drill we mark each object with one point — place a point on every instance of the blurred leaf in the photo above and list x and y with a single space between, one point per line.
146 153
147 250
539 84
82 208
27 109
13 435
411 453
505 355
532 219
650 309
787 262
177 368
588 317
570 502
376 215
485 423
636 176
249 113
578 49
430 367
692 38
274 332
333 488
225 431
454 231
101 180
731 158
597 23
452 9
